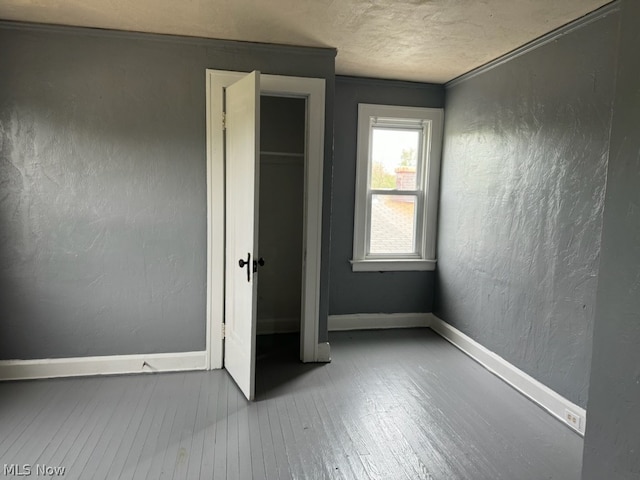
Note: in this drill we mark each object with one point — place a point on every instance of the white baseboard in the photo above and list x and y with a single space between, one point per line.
372 321
106 365
548 399
267 326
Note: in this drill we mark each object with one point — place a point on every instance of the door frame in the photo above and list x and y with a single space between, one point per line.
313 89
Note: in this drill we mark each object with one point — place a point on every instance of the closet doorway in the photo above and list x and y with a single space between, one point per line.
282 154
301 95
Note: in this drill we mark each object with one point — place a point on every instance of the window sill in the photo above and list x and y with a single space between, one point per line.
392 265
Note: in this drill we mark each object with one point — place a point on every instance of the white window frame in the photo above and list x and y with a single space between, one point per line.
430 120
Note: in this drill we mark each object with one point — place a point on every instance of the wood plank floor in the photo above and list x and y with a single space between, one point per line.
395 404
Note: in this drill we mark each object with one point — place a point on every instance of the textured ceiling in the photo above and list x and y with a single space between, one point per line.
420 40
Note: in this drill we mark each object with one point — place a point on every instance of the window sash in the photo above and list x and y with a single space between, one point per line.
422 159
422 155
418 216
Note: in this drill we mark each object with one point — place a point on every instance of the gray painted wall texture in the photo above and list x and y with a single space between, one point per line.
103 186
612 441
369 292
522 193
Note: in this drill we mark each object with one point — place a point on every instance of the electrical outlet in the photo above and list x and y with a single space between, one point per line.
573 419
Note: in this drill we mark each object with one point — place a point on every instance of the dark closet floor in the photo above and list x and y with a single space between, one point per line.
395 404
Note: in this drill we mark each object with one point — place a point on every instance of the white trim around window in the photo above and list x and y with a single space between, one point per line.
416 251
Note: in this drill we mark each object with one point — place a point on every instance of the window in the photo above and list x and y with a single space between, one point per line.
398 169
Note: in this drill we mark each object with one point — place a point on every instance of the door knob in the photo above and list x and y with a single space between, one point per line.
259 262
246 263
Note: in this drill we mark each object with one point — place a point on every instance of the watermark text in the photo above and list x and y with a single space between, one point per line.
28 470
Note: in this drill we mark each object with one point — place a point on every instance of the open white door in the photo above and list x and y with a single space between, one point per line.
242 161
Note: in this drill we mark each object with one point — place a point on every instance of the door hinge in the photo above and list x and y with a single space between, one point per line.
224 120
224 330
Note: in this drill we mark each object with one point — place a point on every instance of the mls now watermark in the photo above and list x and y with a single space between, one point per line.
39 469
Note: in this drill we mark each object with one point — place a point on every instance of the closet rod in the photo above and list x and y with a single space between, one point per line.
282 154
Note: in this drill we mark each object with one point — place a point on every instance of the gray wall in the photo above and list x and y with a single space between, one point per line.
522 193
612 441
103 193
369 292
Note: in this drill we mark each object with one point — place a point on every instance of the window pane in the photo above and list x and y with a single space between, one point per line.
394 158
393 224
